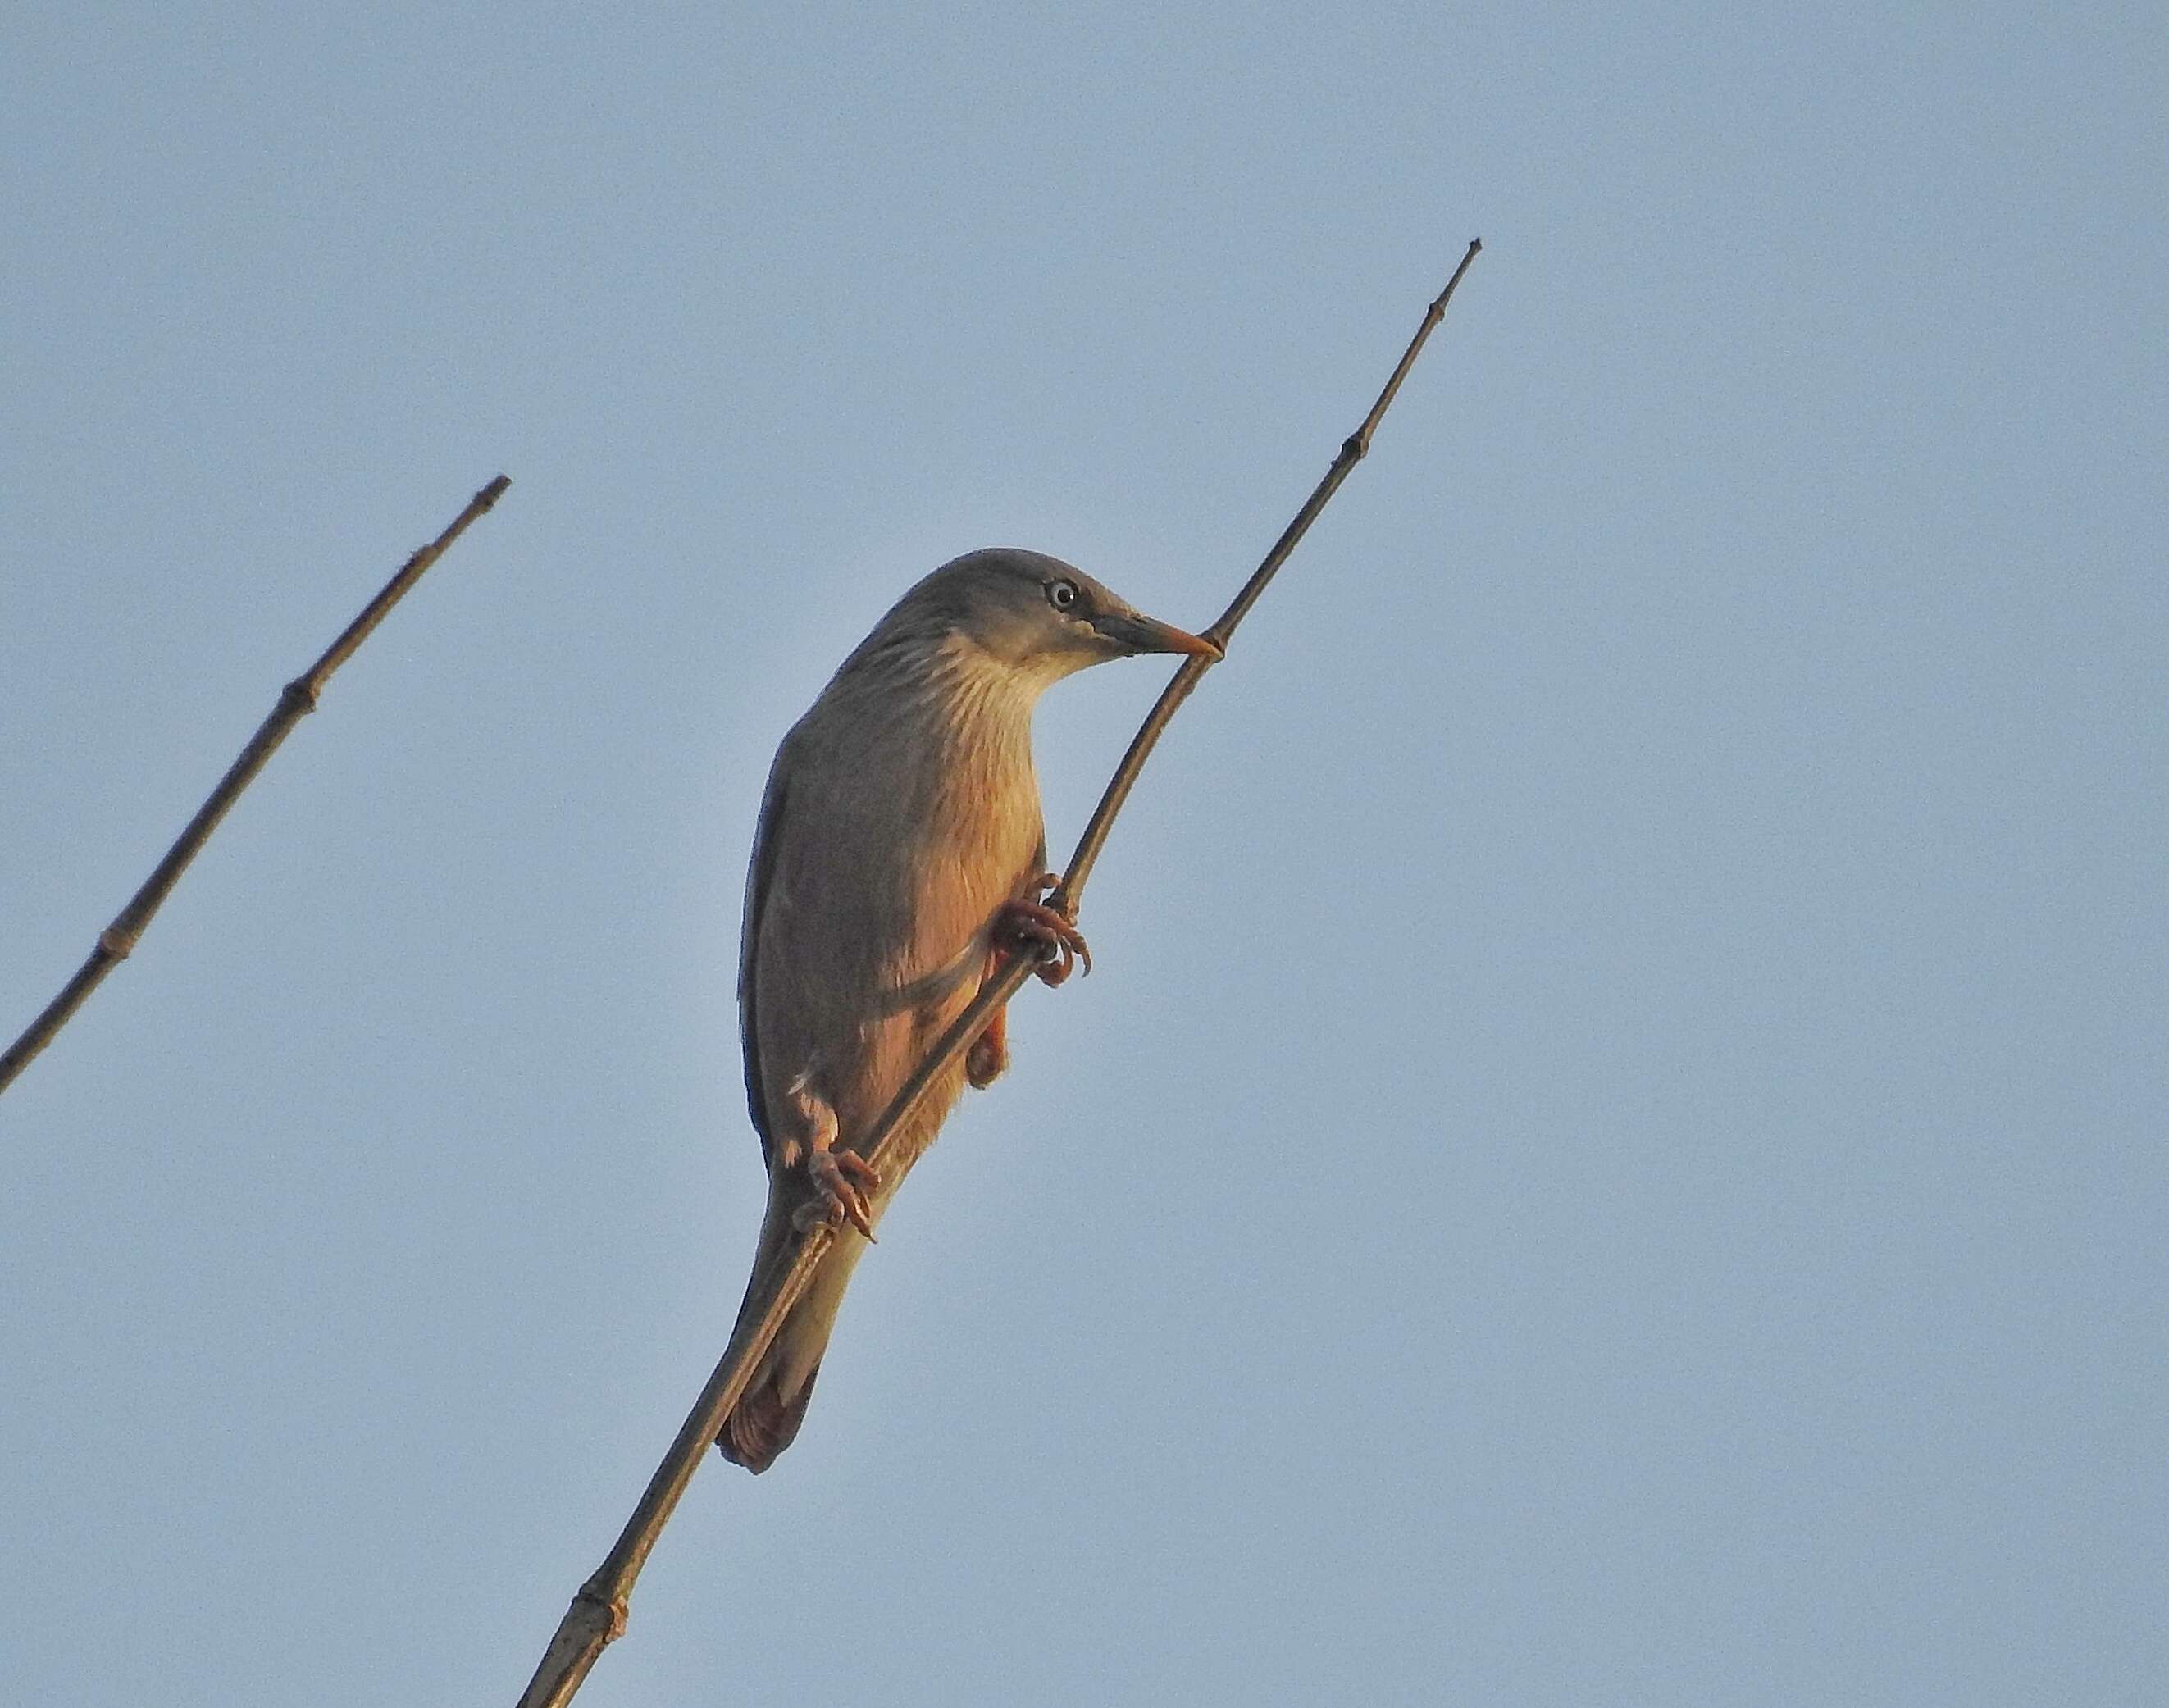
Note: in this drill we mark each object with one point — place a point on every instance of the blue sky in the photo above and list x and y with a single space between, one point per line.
1613 1154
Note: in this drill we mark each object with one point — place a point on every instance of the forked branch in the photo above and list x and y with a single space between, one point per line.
296 701
597 1616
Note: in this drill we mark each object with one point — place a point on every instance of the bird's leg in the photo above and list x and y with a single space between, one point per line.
1030 927
841 1178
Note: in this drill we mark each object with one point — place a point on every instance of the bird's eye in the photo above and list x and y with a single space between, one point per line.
1062 594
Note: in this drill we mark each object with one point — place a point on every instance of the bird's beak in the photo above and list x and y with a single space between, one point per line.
1135 632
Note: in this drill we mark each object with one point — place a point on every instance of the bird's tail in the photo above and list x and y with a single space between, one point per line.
766 1418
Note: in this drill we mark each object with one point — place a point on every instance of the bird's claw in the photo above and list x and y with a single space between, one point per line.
1035 929
841 1180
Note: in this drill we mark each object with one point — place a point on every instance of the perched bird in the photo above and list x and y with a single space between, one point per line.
900 849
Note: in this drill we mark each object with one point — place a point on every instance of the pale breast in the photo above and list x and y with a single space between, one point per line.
898 837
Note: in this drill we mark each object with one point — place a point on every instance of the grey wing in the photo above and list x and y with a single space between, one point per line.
766 839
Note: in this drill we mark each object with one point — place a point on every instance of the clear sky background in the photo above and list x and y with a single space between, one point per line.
1615 1152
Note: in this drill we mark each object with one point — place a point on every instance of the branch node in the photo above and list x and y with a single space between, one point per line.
298 696
1354 448
116 943
611 1607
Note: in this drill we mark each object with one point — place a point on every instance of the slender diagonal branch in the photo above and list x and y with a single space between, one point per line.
296 701
597 1616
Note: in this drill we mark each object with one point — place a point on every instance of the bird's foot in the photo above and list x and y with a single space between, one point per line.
1035 929
842 1179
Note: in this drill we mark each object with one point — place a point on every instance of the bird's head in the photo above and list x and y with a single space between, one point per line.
1038 616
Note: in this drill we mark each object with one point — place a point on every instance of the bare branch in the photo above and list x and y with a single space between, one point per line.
296 701
597 1616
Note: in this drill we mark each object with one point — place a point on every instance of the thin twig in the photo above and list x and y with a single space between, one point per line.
296 701
597 1616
